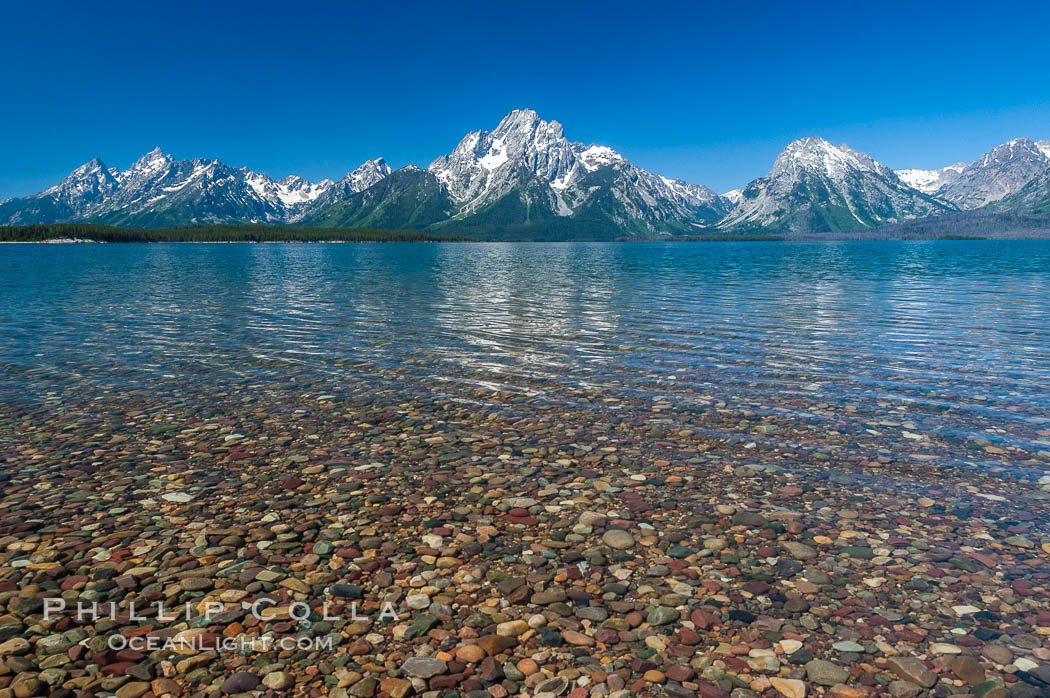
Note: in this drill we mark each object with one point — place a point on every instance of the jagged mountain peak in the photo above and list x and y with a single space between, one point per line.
816 153
92 165
94 170
528 166
154 155
293 181
1013 148
157 190
362 177
85 185
815 185
327 193
528 124
486 165
149 164
1001 172
525 173
368 173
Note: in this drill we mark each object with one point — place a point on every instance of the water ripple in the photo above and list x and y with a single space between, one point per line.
955 333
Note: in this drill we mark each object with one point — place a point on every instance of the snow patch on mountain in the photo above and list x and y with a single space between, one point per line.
733 196
1044 147
929 181
595 156
495 157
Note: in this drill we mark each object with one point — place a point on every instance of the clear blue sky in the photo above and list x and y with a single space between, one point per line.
709 92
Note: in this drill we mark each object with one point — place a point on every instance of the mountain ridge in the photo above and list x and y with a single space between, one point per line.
525 179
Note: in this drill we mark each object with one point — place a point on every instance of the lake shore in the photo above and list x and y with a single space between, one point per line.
730 471
995 228
553 551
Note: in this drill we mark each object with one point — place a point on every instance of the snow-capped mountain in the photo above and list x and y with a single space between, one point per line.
84 188
931 181
817 186
158 190
482 168
1032 199
999 173
366 174
526 180
546 175
292 191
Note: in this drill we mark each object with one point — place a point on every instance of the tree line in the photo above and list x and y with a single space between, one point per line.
214 233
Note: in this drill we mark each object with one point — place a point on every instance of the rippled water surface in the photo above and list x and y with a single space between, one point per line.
945 337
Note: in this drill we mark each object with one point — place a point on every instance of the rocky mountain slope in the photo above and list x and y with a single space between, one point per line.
526 180
528 169
1003 171
817 186
159 191
409 198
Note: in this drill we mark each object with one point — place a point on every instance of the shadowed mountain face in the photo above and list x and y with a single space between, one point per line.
816 186
409 198
526 180
1003 171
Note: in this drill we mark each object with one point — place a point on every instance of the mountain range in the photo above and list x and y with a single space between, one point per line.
526 180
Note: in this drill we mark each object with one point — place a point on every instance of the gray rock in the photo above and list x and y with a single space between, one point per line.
797 550
424 667
618 539
912 669
1042 673
750 519
1000 654
816 575
904 689
825 673
548 596
848 646
968 669
662 615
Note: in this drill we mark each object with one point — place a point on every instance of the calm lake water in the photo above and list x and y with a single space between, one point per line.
944 338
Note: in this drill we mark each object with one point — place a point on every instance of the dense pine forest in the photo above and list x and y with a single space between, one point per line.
214 233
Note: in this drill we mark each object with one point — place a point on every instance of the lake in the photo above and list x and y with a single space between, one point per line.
955 333
614 459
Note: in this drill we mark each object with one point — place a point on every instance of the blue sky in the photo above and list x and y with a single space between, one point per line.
707 92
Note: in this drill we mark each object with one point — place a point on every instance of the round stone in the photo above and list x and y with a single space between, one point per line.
241 682
618 539
278 680
661 615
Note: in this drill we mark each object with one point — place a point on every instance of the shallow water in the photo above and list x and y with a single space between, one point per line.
949 340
